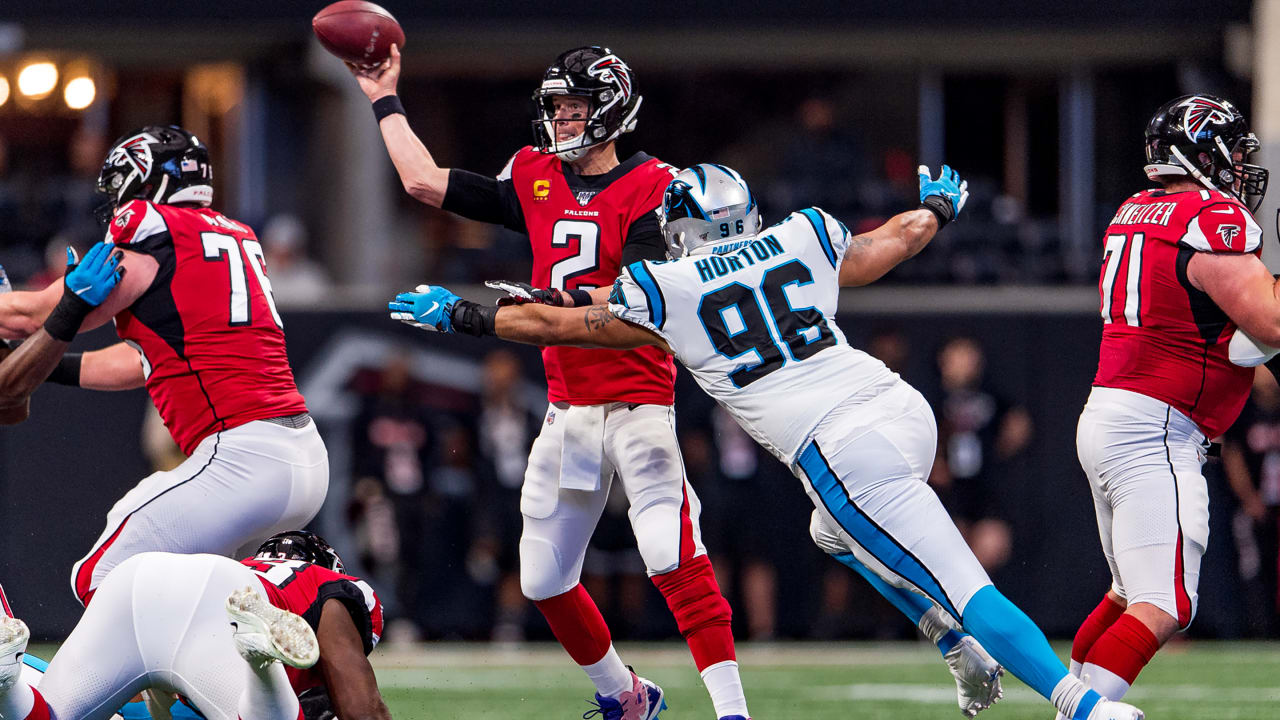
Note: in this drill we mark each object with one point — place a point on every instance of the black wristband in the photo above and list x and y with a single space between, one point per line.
389 105
581 298
67 316
473 318
941 209
67 371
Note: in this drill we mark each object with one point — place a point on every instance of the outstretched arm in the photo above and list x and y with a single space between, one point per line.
421 176
871 255
352 686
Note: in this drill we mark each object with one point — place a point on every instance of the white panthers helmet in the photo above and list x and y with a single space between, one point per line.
707 208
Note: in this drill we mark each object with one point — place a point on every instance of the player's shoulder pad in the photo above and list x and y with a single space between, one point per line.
525 157
1223 224
134 222
831 234
639 296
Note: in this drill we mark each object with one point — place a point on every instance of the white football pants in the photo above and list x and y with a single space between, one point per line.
637 443
238 488
1143 460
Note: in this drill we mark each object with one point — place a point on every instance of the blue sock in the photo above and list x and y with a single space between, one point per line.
1014 641
913 605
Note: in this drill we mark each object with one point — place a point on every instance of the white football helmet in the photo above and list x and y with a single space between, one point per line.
707 208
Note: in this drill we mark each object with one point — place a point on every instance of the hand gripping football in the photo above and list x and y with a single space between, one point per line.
358 32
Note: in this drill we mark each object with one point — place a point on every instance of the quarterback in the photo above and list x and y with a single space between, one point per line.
751 313
609 412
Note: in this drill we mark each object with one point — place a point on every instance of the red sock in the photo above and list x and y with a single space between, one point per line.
1102 617
1125 648
39 711
577 624
701 612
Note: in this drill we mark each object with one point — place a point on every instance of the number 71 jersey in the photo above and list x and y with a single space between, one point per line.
1161 336
756 326
211 340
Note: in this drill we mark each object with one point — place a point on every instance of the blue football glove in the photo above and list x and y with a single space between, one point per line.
93 279
946 196
429 307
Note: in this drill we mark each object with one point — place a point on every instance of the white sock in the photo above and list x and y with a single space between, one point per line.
267 694
1108 684
609 675
725 688
1067 694
1076 668
17 701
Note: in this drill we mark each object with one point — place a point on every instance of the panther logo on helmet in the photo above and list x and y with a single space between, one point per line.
1200 113
610 69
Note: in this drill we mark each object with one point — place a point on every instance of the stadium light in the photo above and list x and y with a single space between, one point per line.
37 80
4 90
79 93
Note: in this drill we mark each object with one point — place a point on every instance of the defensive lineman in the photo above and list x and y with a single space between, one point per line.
1180 272
609 413
751 314
202 333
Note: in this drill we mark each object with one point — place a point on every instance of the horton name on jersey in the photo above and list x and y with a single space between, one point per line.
710 268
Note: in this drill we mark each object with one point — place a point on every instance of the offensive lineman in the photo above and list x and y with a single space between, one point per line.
610 412
1180 272
750 313
201 331
160 621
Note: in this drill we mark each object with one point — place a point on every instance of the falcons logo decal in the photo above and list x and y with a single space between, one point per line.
136 151
1228 233
1199 113
612 70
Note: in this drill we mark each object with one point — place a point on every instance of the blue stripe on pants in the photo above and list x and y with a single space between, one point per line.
865 531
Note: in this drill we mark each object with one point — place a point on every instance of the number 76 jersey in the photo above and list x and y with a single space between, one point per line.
756 326
1162 337
211 340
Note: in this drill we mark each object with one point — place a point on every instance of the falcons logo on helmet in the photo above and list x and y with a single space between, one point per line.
136 151
1199 113
612 70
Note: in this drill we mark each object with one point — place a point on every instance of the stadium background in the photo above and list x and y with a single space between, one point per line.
1039 104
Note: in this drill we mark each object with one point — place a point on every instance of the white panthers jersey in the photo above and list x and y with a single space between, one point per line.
756 326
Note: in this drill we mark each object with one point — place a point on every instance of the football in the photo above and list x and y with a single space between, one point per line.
358 32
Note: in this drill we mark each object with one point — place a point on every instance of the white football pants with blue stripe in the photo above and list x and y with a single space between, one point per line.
865 467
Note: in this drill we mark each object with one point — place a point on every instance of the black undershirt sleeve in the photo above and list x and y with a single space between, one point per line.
483 198
644 241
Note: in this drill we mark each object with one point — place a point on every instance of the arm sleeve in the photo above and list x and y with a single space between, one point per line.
637 299
1223 227
479 197
644 240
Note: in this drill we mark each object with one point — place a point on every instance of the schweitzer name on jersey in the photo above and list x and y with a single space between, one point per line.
1153 214
760 249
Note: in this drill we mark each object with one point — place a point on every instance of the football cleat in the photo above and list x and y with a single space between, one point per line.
734 717
977 676
13 645
264 632
642 702
1113 710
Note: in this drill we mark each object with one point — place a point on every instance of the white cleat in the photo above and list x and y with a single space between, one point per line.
13 645
977 676
1113 710
264 632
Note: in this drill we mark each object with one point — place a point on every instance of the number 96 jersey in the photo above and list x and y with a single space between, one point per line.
212 343
1161 337
756 326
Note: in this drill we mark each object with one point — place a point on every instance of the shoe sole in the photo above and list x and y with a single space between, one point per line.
13 641
288 638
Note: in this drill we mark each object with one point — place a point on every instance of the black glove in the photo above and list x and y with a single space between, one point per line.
518 293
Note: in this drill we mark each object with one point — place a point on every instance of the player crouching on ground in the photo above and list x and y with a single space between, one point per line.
160 621
751 314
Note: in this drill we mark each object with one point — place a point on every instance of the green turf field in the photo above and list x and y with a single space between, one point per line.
1187 681
785 681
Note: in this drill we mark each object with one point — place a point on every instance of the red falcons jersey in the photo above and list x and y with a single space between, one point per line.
211 339
303 588
579 245
1161 336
